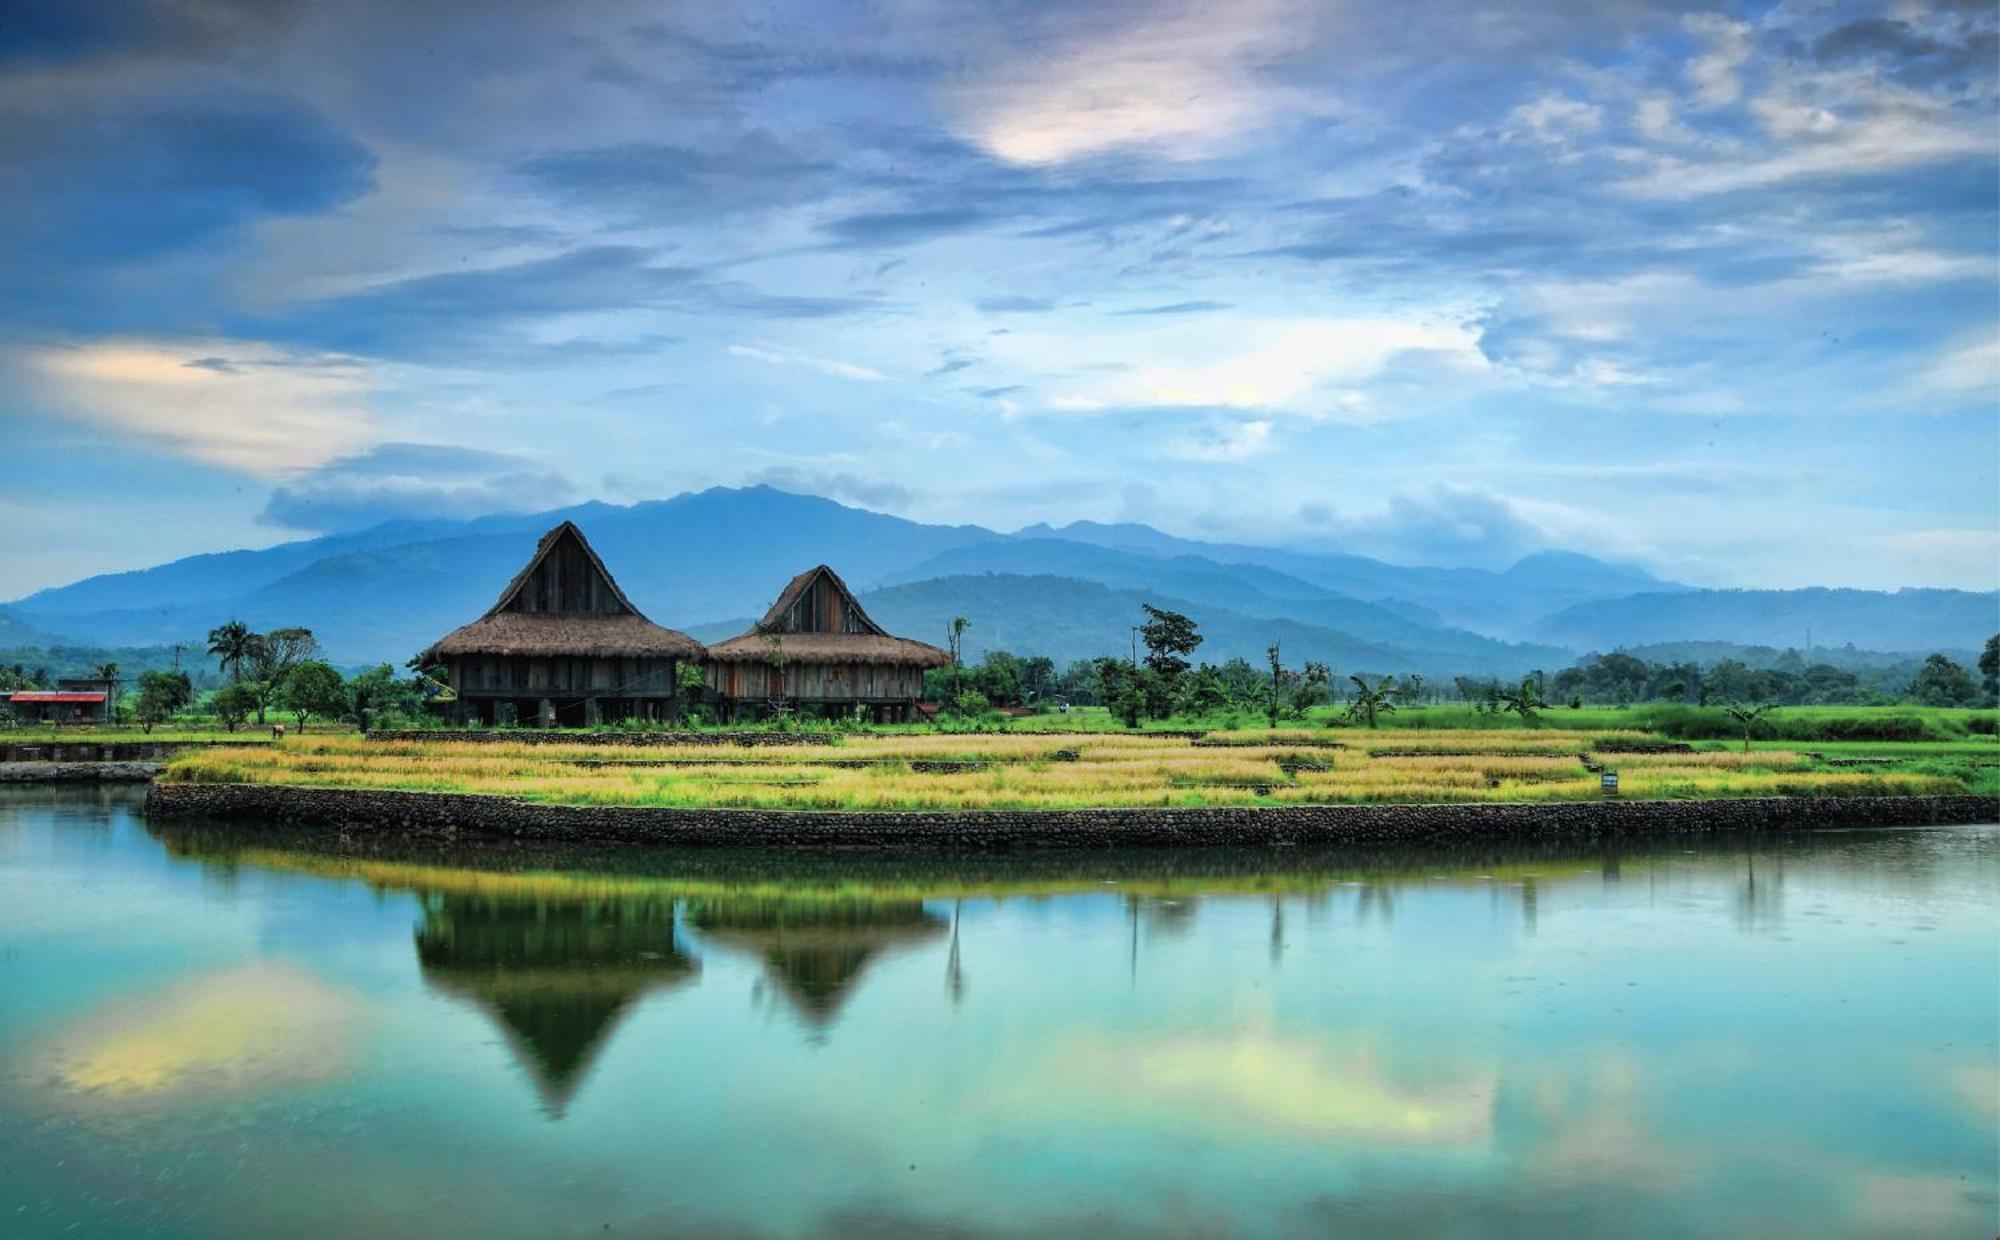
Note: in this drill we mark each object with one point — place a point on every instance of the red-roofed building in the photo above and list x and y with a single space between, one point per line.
76 701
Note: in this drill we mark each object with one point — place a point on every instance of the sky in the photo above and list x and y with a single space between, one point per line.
1708 290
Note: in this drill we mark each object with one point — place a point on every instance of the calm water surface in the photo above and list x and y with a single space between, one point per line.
206 1032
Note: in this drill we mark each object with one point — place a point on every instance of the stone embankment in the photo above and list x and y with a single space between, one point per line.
446 816
77 772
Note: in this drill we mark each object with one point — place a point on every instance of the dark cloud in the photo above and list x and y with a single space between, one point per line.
1016 305
484 310
1176 307
882 229
163 172
405 481
995 393
753 170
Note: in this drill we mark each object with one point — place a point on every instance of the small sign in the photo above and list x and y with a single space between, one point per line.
1609 780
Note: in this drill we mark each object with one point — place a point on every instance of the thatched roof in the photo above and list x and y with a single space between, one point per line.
818 620
616 629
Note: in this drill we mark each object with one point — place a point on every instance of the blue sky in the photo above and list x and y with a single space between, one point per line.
1708 289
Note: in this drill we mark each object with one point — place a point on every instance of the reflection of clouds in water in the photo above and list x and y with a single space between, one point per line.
1919 1205
1259 1084
1977 1088
241 1028
1594 1113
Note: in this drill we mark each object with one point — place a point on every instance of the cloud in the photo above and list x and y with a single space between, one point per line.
489 311
1176 307
1294 364
407 481
885 229
1182 81
93 178
1713 74
247 406
1450 524
876 494
1015 305
830 366
1223 442
1972 367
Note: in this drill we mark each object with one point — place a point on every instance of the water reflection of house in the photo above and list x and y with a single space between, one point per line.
816 950
556 975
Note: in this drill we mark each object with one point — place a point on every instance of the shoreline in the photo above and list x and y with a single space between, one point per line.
452 816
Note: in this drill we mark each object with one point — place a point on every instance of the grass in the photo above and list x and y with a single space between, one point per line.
1024 770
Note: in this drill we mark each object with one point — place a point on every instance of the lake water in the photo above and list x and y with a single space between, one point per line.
206 1032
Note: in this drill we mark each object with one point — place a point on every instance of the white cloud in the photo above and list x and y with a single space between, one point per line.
243 405
1180 83
1554 119
1657 120
1973 367
1713 74
825 365
1304 367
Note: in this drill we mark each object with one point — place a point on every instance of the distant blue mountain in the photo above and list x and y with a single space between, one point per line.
708 559
1901 620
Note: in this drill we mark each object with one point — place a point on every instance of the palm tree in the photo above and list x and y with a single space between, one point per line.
1748 717
232 644
1370 703
108 673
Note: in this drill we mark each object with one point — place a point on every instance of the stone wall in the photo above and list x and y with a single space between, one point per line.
527 736
425 815
77 772
110 751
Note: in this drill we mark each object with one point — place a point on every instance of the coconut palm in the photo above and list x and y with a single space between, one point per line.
233 644
108 673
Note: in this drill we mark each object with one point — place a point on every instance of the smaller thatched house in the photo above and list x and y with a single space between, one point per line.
563 646
817 651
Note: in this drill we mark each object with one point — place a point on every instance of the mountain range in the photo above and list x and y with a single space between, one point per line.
709 561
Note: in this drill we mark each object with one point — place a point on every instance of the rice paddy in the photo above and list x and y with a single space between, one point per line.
1030 771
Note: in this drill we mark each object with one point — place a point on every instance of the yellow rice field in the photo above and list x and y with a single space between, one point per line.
1029 771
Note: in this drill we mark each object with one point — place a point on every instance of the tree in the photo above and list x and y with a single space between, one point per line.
1989 670
1313 684
955 638
1748 717
1277 679
108 673
160 695
1525 701
1941 682
377 691
232 644
232 704
1170 637
1410 692
314 688
1370 703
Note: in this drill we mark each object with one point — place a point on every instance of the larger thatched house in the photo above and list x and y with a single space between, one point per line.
817 651
564 647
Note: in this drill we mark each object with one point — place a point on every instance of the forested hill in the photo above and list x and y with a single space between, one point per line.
705 560
1872 620
1068 619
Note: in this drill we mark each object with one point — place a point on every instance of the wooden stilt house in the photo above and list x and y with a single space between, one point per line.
816 651
564 647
